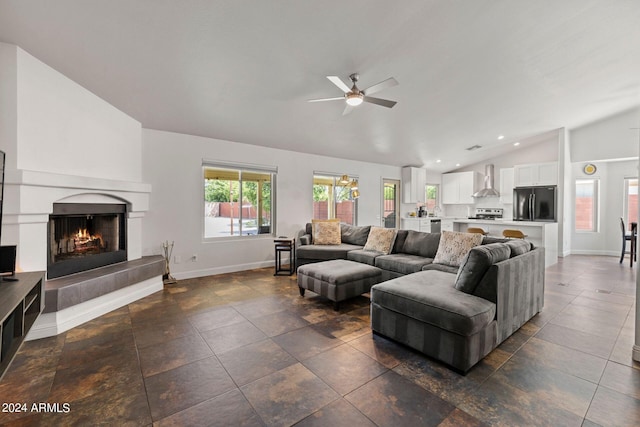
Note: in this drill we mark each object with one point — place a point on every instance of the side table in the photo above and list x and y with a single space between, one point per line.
283 245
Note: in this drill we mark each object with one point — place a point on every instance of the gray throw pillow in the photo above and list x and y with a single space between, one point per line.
476 263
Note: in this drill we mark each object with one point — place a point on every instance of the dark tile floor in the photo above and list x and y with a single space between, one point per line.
245 349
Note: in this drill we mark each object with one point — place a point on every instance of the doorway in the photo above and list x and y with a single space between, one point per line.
390 203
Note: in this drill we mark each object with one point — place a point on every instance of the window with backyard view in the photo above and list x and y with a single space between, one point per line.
333 199
238 201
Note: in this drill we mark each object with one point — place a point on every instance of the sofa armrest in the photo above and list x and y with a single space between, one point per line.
516 286
305 239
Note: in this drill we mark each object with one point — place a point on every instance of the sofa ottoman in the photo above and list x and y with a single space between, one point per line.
338 280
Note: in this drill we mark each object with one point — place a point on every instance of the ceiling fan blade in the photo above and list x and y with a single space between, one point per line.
390 82
378 101
336 81
347 109
326 99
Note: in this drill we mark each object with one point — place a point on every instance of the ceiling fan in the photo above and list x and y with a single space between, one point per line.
355 96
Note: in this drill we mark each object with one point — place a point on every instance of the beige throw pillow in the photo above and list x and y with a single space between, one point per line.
454 246
380 239
326 232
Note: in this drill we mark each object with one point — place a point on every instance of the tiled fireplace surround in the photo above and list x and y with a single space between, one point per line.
75 299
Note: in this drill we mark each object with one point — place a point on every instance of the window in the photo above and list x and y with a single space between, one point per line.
630 213
587 205
431 197
238 200
333 199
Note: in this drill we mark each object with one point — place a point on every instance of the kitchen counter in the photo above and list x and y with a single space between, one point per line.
504 222
542 234
421 223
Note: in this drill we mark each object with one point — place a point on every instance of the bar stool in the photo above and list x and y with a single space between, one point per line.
477 230
513 234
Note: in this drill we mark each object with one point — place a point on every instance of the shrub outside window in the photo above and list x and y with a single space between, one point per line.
238 200
333 200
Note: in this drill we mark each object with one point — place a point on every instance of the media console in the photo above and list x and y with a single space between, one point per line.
21 302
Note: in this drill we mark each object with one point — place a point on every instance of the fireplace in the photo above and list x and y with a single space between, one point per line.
84 236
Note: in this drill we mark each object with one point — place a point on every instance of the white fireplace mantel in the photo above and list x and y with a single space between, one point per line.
28 201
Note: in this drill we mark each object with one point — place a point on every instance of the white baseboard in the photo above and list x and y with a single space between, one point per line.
594 252
222 270
51 324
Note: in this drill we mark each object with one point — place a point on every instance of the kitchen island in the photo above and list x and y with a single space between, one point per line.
541 234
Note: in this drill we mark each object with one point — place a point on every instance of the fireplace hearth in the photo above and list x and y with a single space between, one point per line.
84 236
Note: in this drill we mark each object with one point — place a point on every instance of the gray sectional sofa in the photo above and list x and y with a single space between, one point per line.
457 315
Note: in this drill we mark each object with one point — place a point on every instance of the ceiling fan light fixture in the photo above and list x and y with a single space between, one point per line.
354 99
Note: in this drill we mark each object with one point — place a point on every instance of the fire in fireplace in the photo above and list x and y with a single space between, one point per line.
85 236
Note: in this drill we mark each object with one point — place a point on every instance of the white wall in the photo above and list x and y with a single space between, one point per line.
599 143
607 241
61 141
539 149
65 129
610 138
172 164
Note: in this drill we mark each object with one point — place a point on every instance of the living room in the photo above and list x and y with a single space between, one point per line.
67 140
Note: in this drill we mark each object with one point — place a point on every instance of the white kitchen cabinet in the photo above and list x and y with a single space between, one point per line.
410 224
413 184
506 185
458 187
446 224
418 224
536 174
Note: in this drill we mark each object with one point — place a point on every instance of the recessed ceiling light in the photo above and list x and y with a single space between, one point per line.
457 164
516 143
500 136
438 161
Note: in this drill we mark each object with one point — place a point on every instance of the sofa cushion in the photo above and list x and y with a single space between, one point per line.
476 263
401 236
380 239
402 263
518 246
326 232
429 296
365 257
454 246
441 267
422 244
354 235
325 252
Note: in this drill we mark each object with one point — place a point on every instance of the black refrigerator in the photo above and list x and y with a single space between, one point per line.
534 203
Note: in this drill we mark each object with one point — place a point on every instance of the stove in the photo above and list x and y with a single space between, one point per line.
487 213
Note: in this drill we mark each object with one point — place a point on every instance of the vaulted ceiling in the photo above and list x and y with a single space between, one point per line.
469 70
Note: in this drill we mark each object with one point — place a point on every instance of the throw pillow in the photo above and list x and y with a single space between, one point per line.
454 246
380 240
326 232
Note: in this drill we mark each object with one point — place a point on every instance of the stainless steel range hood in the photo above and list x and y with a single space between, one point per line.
488 190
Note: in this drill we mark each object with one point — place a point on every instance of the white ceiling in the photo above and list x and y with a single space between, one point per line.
469 70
